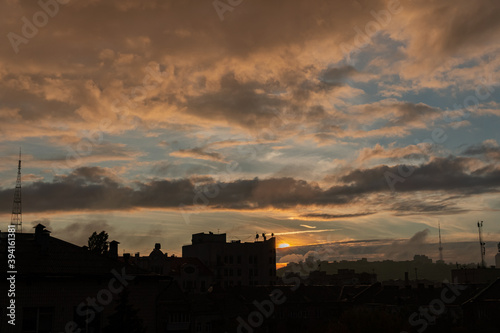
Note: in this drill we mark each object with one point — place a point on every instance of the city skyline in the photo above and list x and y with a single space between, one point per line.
357 125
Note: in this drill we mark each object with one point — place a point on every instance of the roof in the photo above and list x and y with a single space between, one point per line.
176 264
53 256
489 294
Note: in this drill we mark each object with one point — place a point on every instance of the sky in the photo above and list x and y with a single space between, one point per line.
335 125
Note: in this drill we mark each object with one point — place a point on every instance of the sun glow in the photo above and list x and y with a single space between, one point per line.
282 245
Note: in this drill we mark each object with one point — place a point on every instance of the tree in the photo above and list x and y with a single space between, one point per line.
98 243
125 318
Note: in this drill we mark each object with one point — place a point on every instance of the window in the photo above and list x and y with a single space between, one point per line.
38 320
238 259
178 317
239 271
231 259
250 259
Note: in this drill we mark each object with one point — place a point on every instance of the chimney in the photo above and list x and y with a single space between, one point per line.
42 236
157 246
126 257
137 255
113 249
407 279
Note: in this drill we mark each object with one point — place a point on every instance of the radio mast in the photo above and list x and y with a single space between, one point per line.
481 243
17 214
440 246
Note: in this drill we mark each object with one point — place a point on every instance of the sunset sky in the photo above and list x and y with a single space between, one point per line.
358 125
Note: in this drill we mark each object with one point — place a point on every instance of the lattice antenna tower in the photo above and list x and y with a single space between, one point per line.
17 213
481 243
440 245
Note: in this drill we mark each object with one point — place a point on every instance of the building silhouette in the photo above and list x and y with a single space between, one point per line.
497 257
60 284
190 274
235 263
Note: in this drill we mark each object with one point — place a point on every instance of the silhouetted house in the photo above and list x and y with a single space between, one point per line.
190 273
422 259
482 311
235 263
59 284
497 257
343 277
475 275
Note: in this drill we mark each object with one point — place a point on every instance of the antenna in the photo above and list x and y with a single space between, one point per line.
440 246
17 215
481 243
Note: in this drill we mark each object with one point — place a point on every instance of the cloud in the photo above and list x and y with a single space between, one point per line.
385 249
421 151
93 188
405 249
404 208
333 216
488 148
459 174
198 153
432 41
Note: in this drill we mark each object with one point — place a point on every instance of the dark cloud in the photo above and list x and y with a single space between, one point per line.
416 208
96 189
410 113
238 103
199 153
337 75
333 216
440 174
488 149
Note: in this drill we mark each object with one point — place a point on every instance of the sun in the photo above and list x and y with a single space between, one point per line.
283 245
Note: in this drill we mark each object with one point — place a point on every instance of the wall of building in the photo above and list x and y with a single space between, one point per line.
235 263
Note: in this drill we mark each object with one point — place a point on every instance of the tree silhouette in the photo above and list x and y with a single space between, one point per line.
98 243
125 318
